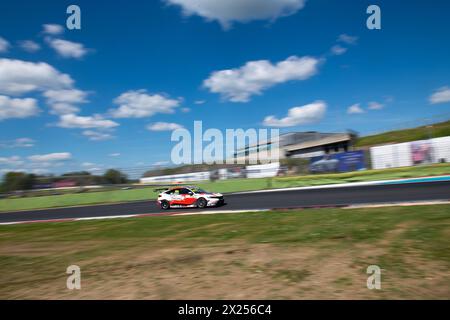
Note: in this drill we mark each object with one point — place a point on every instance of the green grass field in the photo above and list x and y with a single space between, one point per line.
441 129
309 254
224 186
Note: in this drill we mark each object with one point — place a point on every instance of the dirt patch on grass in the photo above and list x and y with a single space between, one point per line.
312 255
236 271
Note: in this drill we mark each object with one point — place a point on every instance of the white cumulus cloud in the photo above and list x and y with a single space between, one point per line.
345 38
29 45
36 163
18 143
87 164
373 105
68 49
64 101
140 104
355 109
229 11
13 161
4 45
85 122
338 50
238 85
92 167
307 114
50 157
17 108
23 143
52 29
164 126
441 95
97 136
19 77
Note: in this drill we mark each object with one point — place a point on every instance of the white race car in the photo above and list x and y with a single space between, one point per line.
188 197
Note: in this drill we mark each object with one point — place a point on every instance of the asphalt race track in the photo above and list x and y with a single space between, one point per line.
260 200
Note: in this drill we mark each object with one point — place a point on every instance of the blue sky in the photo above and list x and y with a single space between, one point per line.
93 98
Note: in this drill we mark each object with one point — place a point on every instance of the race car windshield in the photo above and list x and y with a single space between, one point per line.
198 190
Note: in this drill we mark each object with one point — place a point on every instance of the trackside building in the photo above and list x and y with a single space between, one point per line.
302 145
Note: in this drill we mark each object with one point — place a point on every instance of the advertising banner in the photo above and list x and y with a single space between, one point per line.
338 162
411 153
177 178
441 149
262 170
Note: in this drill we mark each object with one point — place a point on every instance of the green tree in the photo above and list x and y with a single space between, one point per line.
114 176
13 181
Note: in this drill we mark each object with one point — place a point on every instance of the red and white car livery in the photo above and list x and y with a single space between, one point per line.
188 197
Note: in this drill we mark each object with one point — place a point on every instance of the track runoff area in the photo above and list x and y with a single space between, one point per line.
391 192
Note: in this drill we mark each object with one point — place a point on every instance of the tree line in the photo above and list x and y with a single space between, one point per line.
14 181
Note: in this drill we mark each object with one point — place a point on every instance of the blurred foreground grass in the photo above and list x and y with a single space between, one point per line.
316 253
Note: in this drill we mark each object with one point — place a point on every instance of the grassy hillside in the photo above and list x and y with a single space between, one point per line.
440 129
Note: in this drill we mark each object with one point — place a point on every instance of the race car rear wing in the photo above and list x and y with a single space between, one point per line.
168 187
160 189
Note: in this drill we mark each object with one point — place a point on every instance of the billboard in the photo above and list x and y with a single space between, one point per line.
263 170
338 162
411 153
177 178
55 185
64 184
421 152
441 149
391 156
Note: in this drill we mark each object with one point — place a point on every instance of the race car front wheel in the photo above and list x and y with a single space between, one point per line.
165 205
201 203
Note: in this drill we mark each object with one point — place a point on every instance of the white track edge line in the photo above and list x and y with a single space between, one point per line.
339 185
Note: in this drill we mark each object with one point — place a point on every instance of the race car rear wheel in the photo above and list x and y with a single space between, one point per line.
165 205
202 203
